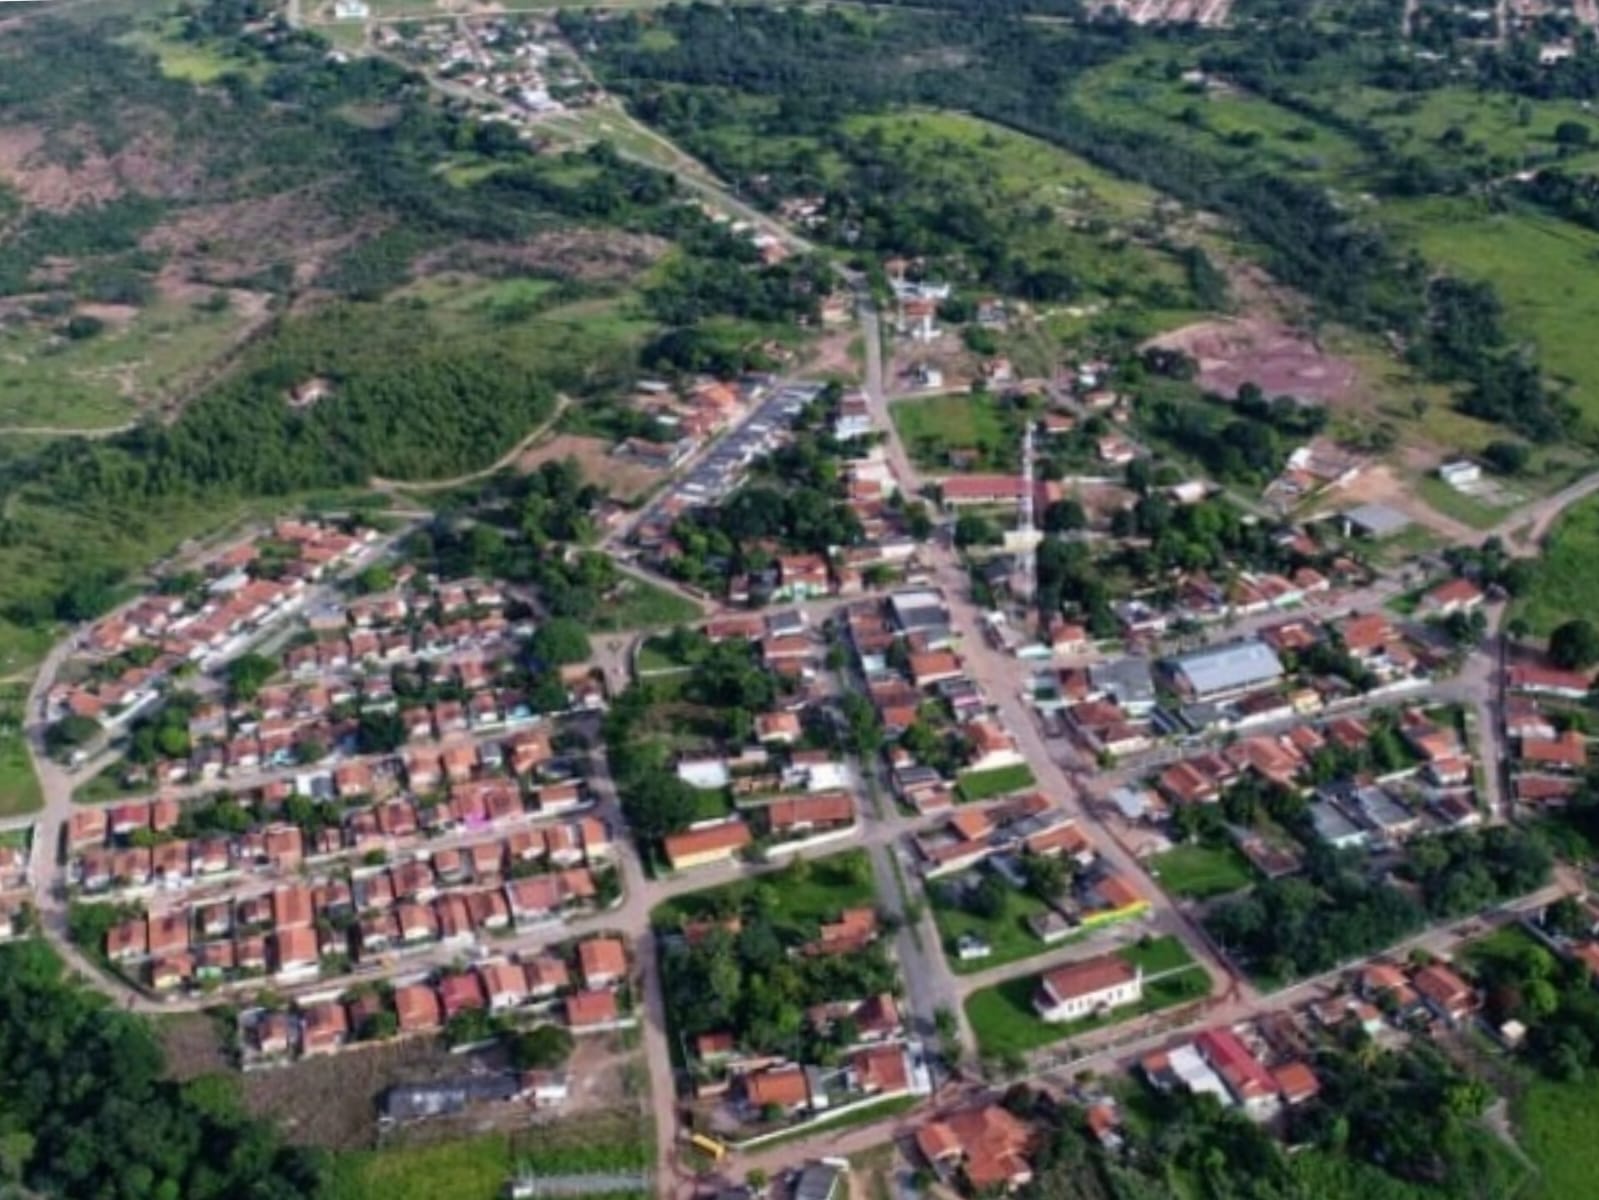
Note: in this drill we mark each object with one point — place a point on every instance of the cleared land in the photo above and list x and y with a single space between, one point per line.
1557 1125
624 478
802 893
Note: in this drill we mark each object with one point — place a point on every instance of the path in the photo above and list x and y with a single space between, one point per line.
82 431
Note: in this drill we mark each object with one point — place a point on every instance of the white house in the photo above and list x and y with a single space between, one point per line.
1094 985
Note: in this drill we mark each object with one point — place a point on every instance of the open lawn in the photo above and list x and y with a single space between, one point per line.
1007 933
1006 1024
1567 575
802 893
641 605
931 427
865 1115
1199 872
984 785
1557 1125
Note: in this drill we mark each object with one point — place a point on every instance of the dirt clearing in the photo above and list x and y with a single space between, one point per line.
622 477
1277 359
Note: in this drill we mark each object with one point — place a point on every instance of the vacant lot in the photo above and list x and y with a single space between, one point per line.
802 893
1199 872
1006 1024
1567 575
1278 360
623 478
1006 933
984 785
638 604
988 428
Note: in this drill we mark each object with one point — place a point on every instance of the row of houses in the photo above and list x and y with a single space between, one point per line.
581 985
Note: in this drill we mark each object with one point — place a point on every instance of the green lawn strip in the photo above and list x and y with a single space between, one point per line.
816 890
654 659
933 426
19 786
984 785
1007 934
1200 871
864 1115
1005 1022
1563 582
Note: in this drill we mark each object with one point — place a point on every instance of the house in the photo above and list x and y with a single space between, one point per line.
706 844
801 577
782 728
324 1028
295 951
1094 985
505 985
1445 993
1247 1079
988 1146
417 1009
992 747
782 1088
1567 753
602 961
794 816
461 993
591 1010
1455 596
1547 681
881 1070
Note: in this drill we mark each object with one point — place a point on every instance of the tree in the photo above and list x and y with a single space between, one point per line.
1505 457
972 529
559 641
1572 134
69 733
543 1049
1574 646
248 673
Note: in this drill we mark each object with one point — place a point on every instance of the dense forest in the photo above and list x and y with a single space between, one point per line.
88 1113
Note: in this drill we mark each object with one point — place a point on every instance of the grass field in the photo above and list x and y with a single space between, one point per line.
478 1168
19 786
864 1115
1199 872
932 427
1007 934
1557 1125
1542 268
1005 1023
1567 574
100 381
984 785
802 893
642 605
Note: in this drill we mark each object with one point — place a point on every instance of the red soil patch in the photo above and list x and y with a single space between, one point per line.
1277 359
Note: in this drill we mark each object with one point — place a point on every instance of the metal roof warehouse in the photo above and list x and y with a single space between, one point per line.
1226 670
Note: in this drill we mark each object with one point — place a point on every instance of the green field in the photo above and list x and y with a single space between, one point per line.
642 605
1567 574
984 785
52 382
1542 268
1199 872
1007 934
1557 1125
804 892
864 1115
19 786
932 427
478 1168
1005 1023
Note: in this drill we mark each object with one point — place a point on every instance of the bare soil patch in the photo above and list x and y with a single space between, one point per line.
193 1046
1378 484
1279 360
622 477
591 255
234 240
68 170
